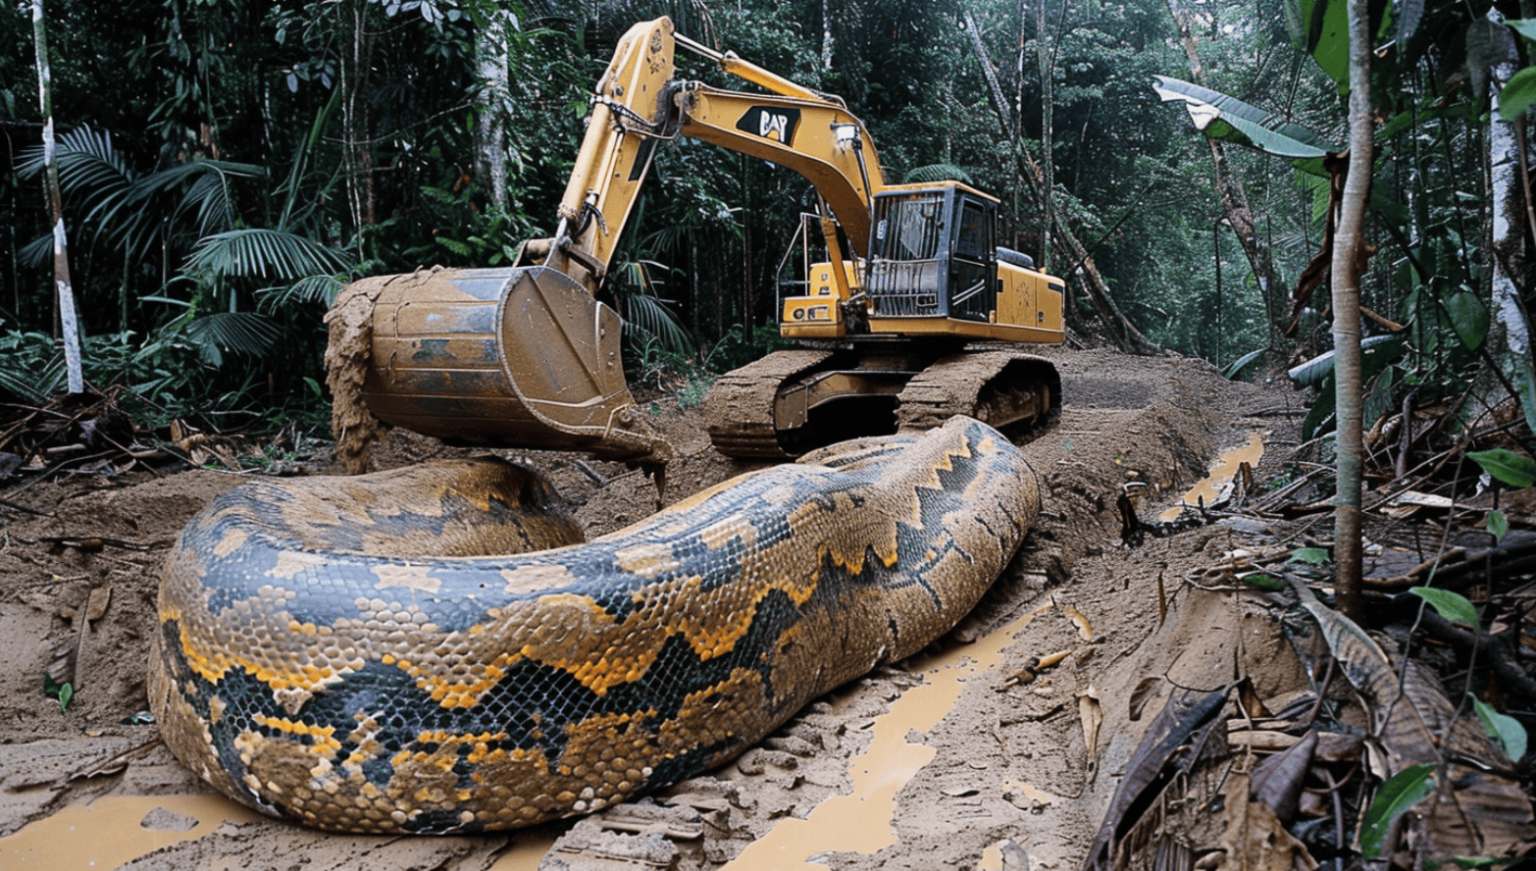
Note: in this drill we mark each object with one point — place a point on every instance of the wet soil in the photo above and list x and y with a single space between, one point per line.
962 757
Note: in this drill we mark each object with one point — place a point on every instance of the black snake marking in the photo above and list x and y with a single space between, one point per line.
307 669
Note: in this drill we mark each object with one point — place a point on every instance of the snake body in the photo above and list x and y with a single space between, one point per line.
342 652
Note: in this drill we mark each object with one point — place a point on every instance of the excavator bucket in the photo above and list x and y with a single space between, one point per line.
514 357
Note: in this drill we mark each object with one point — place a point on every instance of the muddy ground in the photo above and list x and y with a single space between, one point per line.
988 762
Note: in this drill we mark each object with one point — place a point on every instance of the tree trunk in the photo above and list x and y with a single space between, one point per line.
1348 246
491 120
1237 214
357 146
491 117
826 37
995 90
68 324
1510 338
1045 57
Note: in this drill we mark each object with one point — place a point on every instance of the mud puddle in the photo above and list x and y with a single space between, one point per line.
113 830
1218 483
863 820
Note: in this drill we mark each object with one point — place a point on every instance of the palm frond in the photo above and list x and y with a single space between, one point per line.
257 252
652 316
89 168
208 196
199 187
35 254
85 158
246 333
310 288
88 162
643 310
33 387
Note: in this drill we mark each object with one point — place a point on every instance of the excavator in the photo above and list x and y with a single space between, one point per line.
915 315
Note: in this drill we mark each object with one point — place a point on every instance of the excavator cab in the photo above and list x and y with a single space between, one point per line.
933 253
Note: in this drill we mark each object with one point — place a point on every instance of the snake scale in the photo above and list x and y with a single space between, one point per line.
435 650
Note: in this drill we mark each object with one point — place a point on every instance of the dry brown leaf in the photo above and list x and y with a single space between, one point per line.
1142 694
1277 781
1254 839
1175 739
1480 811
96 606
1084 628
1092 717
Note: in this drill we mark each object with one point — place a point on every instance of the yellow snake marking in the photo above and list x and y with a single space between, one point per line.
650 560
531 579
418 578
231 542
294 562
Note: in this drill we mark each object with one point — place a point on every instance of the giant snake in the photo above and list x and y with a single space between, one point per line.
434 649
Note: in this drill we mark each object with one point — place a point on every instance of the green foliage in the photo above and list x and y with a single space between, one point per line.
64 692
1398 795
1498 525
1468 317
1264 582
644 311
1378 354
1236 368
1502 728
1506 466
1315 556
29 369
1227 118
657 368
1519 94
462 233
1318 28
1451 605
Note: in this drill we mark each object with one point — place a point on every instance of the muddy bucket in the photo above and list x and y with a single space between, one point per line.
514 357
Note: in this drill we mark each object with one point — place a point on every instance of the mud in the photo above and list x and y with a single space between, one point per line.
970 755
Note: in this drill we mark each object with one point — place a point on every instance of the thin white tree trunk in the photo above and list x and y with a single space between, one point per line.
69 320
1510 339
826 36
1045 58
491 124
994 88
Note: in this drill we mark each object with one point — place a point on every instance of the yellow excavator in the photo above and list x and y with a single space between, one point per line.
915 315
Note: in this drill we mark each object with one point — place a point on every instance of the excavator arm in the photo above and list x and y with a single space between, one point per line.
527 356
638 103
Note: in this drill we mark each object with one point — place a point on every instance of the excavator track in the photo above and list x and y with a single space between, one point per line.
1006 389
741 403
749 407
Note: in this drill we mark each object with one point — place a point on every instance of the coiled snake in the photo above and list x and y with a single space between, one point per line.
342 652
